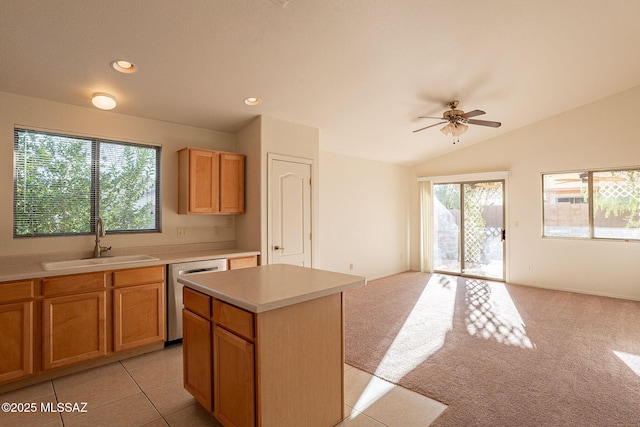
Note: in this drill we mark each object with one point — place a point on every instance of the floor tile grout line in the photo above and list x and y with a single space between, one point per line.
143 392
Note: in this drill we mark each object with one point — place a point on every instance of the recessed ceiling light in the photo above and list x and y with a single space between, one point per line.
103 101
124 66
252 101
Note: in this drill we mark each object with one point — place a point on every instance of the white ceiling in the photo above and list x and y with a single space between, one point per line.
361 71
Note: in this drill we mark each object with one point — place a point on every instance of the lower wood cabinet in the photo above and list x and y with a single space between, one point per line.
73 329
138 307
281 367
56 322
16 340
16 330
219 358
197 366
234 381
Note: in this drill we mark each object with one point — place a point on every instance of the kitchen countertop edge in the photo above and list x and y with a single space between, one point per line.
346 282
34 270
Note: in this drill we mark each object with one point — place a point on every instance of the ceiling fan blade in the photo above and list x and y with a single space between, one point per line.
426 117
484 123
472 114
427 127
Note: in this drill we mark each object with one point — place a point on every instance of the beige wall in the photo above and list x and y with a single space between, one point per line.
598 135
363 216
41 114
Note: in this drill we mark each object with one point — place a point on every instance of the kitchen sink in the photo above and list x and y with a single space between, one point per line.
92 262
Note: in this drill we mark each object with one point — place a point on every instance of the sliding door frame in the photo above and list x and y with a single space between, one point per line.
427 217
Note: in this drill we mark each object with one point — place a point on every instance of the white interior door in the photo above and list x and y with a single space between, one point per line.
290 213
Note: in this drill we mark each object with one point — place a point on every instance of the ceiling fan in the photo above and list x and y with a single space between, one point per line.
457 121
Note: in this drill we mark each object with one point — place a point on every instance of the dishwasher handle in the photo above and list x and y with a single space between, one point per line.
198 270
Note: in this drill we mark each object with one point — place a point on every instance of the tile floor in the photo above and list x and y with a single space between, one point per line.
147 391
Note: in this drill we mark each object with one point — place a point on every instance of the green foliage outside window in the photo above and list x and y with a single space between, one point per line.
62 184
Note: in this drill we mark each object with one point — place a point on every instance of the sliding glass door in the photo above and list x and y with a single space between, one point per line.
469 229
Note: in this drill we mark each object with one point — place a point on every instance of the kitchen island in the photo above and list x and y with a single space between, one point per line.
264 346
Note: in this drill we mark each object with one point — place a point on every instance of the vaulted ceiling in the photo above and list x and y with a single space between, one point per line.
361 71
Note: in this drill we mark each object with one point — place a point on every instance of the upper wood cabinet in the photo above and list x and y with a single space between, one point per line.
210 182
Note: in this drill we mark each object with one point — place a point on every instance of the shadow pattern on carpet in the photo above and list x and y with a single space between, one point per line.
500 354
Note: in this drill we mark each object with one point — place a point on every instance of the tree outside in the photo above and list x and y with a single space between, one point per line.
54 185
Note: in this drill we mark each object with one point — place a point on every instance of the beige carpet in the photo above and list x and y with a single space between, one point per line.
500 354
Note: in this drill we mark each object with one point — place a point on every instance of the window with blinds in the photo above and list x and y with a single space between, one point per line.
64 183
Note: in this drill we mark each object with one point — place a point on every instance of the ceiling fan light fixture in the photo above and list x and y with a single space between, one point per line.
459 129
447 129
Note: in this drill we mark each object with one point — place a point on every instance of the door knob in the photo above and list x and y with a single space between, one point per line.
278 248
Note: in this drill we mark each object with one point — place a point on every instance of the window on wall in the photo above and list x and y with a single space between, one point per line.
64 183
601 204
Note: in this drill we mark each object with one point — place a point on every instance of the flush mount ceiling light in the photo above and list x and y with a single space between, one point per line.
123 66
103 101
252 101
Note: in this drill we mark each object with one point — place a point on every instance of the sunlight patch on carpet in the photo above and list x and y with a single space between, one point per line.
422 334
492 315
631 360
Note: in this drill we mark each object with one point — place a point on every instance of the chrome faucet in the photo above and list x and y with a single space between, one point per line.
97 250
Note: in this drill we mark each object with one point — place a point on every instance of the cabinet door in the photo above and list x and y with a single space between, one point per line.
204 172
138 316
16 342
196 356
73 329
231 183
233 379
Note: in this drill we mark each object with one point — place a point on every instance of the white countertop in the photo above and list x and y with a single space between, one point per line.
269 287
29 267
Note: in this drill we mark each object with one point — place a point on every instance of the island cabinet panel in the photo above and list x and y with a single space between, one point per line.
73 329
16 342
280 367
197 342
233 373
301 363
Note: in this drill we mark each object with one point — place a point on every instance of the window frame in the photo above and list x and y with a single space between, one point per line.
94 193
590 202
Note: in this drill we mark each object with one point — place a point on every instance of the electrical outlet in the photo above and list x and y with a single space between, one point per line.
182 232
229 222
531 267
351 266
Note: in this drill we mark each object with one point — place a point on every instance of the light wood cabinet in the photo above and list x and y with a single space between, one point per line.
57 323
231 183
263 364
16 330
73 329
234 382
242 262
219 358
196 351
138 307
210 182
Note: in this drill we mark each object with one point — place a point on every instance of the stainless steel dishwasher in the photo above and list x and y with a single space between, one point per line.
174 291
